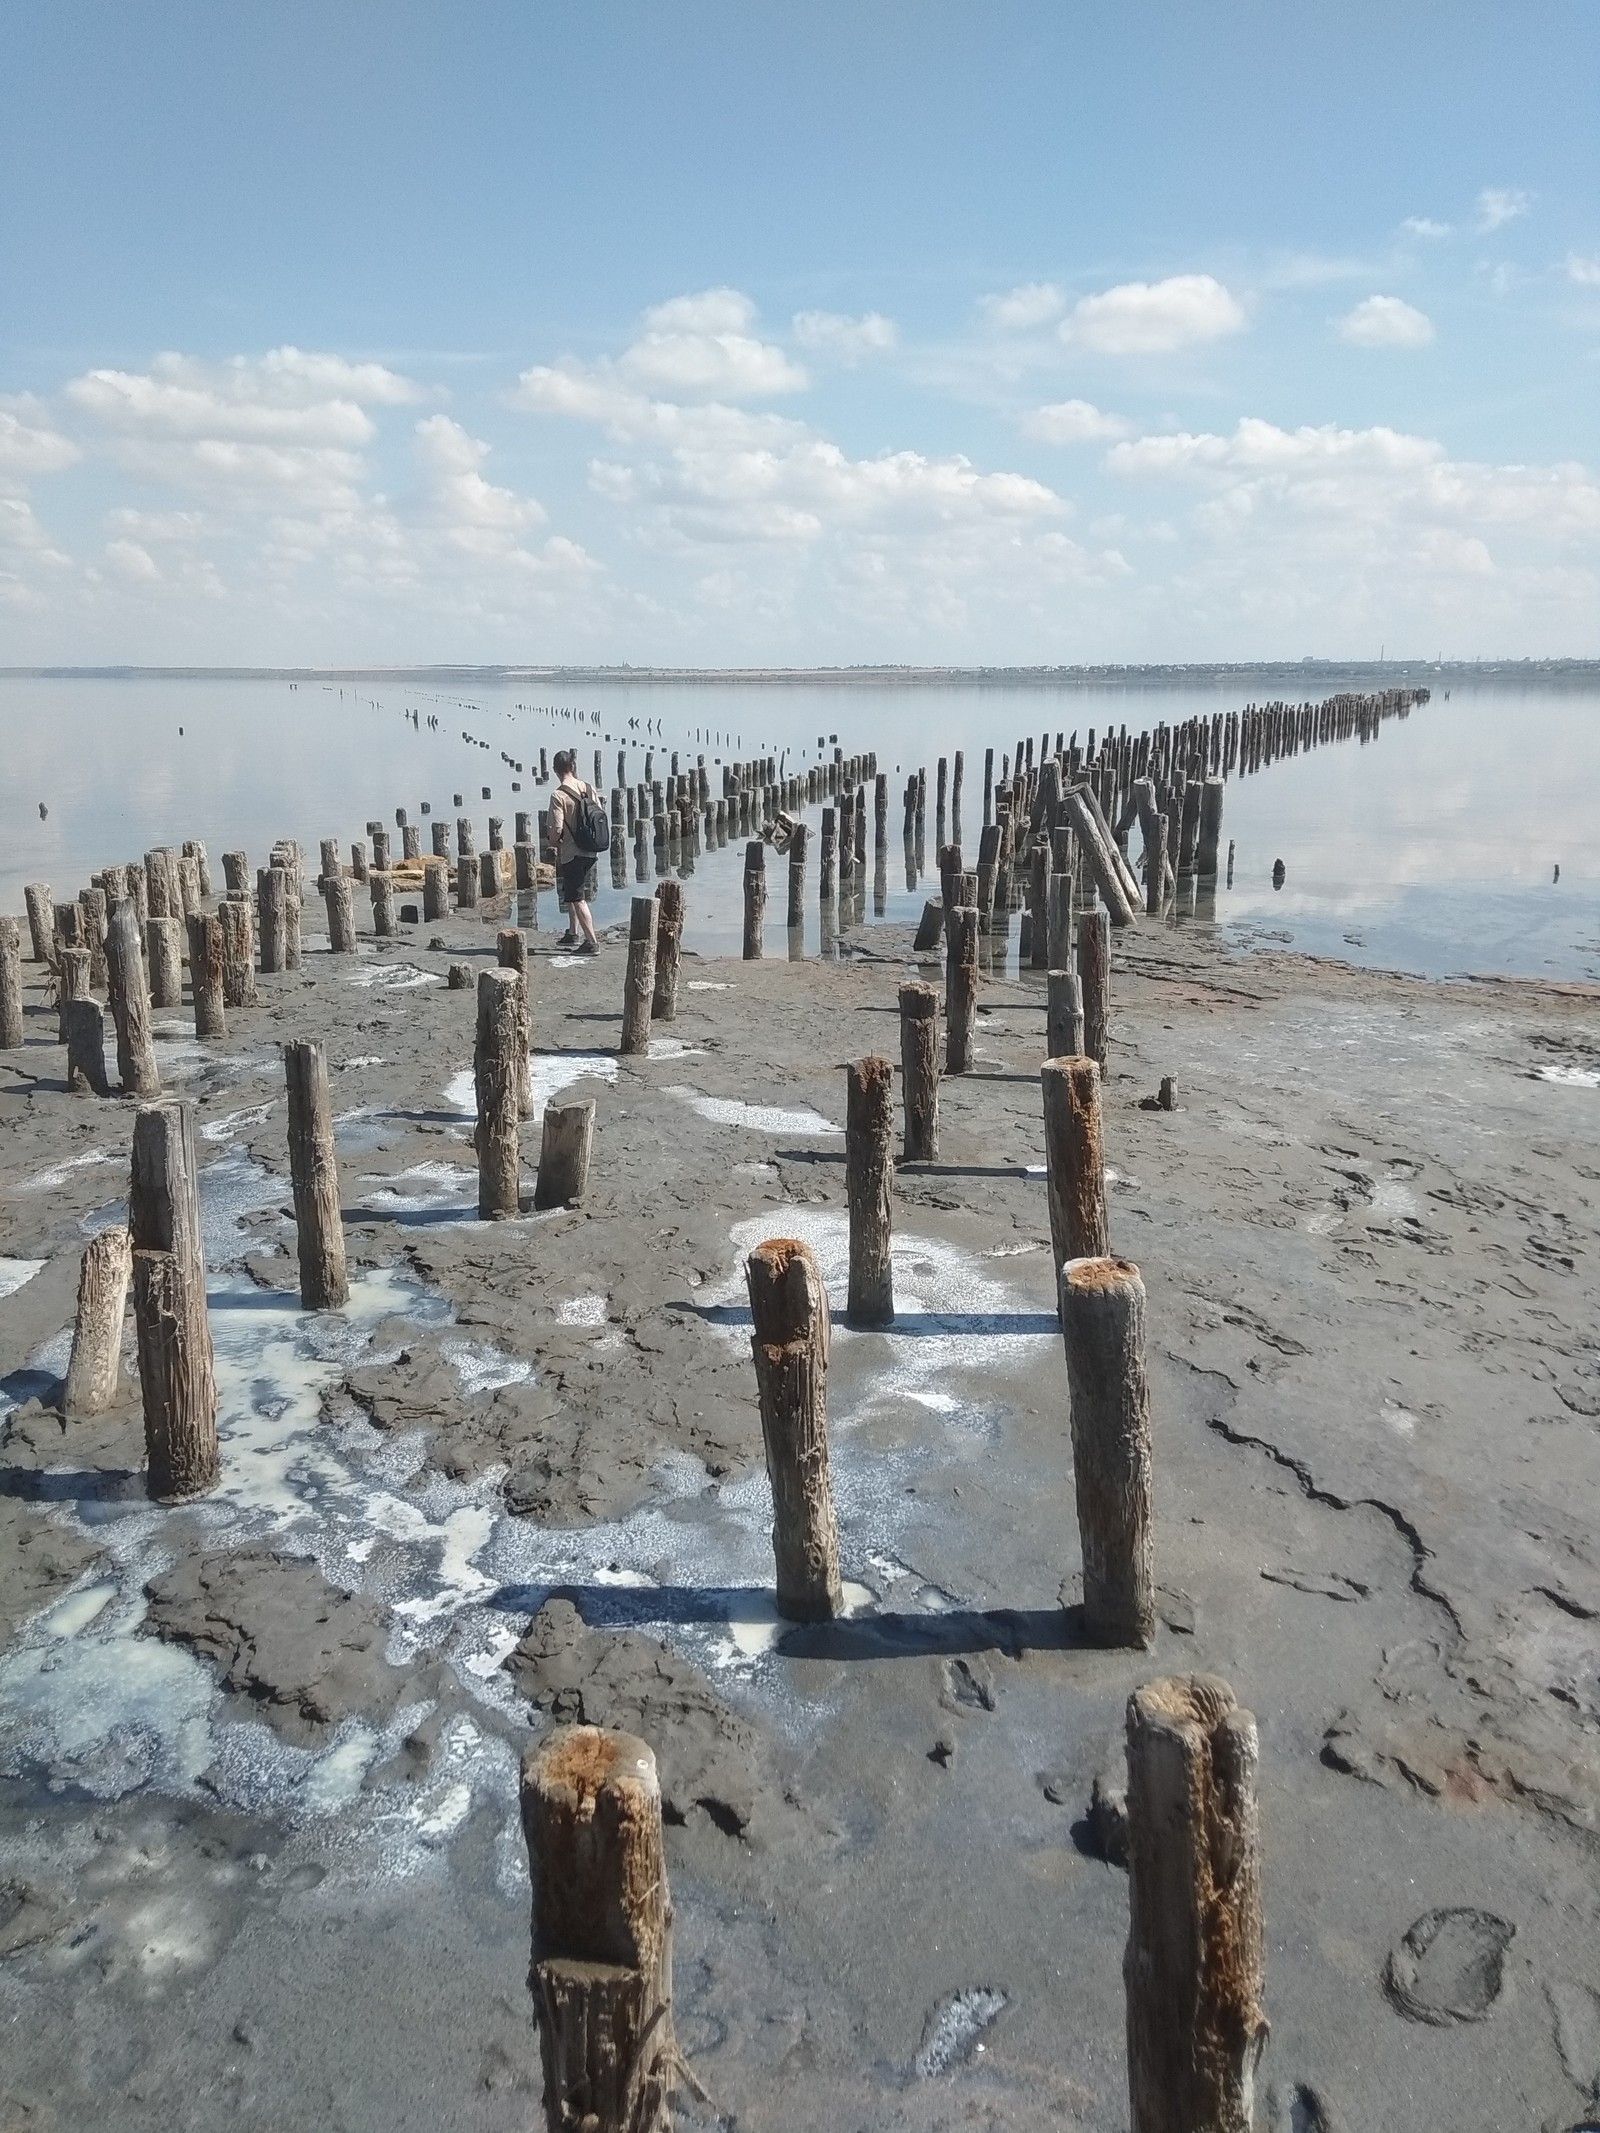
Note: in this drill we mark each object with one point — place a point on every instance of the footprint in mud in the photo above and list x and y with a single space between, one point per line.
1448 1967
967 1685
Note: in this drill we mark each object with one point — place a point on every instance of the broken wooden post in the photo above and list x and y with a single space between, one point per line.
601 1975
511 952
564 1151
1063 1016
639 981
93 907
961 988
1074 1160
177 1374
10 985
497 1082
314 1172
86 1048
205 975
380 883
755 897
1098 850
1195 1961
1103 1328
72 984
669 945
929 927
919 1071
272 902
341 919
41 920
789 1340
869 1186
130 1006
1094 973
94 1375
236 873
238 952
163 947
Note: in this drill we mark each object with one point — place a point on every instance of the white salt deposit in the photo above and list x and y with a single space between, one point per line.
548 1073
50 1180
755 1118
582 1311
234 1122
1572 1077
392 977
16 1273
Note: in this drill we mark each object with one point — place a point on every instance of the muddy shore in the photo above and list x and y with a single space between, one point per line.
259 1853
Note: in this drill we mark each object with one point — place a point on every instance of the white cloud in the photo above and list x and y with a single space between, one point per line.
1154 318
31 446
711 311
131 561
1386 322
1585 272
1074 422
1032 303
284 397
847 340
701 347
477 515
1498 205
1424 226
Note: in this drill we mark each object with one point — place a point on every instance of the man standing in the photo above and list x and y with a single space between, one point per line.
576 866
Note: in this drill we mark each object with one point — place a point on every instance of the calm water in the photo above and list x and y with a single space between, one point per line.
1431 850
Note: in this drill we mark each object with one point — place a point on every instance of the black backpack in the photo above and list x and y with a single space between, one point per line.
589 823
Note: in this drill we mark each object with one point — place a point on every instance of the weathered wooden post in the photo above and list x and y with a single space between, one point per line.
205 975
72 984
869 1186
1094 972
10 985
601 1975
436 889
790 1337
467 878
466 842
488 875
1074 1160
669 944
314 1172
1153 829
92 933
380 884
1210 828
1099 852
130 1006
1103 1328
919 1071
755 897
286 855
797 874
497 1082
1058 919
86 1048
826 864
639 982
961 988
1063 1016
272 903
194 848
238 951
41 920
236 873
94 1375
1195 1963
564 1150
511 953
163 947
341 919
177 1373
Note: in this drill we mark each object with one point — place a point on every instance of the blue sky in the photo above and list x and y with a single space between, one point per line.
735 334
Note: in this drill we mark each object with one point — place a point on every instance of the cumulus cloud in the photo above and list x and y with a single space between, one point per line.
1424 226
1154 318
28 442
701 347
1585 272
1386 322
476 514
286 396
1498 205
1031 303
1075 422
846 340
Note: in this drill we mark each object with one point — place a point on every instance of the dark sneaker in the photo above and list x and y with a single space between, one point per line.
590 948
566 940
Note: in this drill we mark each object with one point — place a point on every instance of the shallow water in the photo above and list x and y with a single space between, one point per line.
1432 849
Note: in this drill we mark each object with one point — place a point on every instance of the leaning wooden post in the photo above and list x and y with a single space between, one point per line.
869 1185
564 1151
669 945
497 1082
1063 1016
1094 972
314 1171
789 1311
41 920
601 1974
163 948
94 1374
205 975
961 988
1074 1160
1102 1325
919 1071
130 1007
755 897
639 983
10 985
176 1370
86 1048
1195 1963
341 919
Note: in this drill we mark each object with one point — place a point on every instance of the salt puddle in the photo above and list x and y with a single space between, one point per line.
755 1118
549 1073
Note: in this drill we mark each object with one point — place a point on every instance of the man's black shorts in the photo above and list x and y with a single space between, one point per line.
579 878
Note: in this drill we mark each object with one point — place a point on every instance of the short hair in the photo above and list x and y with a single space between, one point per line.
563 760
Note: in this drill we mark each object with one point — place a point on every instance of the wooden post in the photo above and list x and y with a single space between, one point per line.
72 984
286 856
94 1374
497 1083
1094 971
755 897
236 873
564 1151
10 985
1074 1160
1153 829
341 921
205 975
826 866
1058 920
86 1048
790 1338
869 1185
238 952
41 920
961 988
601 1975
380 883
1195 1962
314 1171
130 1006
163 944
639 983
1210 828
92 933
466 881
272 899
511 952
1096 849
488 874
1103 1328
919 1071
669 943
436 889
1064 1016
176 1370
798 839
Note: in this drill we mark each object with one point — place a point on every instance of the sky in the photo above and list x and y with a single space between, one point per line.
729 334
